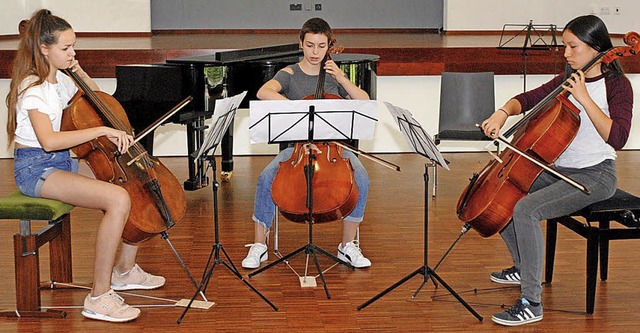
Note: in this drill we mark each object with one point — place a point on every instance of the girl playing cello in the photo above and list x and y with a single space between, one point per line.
296 82
605 99
43 168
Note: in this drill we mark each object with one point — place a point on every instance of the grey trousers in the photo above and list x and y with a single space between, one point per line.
551 197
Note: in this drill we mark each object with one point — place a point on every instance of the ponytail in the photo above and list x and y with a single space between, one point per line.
42 29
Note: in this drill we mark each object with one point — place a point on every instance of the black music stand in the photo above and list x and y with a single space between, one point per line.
421 143
297 118
207 152
534 39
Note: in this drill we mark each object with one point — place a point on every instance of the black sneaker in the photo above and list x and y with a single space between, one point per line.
521 313
507 276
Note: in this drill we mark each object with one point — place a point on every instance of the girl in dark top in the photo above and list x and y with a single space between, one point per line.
605 99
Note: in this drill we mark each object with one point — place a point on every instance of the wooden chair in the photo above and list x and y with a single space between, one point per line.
623 208
57 233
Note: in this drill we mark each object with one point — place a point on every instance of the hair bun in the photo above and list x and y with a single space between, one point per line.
23 26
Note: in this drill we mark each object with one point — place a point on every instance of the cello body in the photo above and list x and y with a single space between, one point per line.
157 199
487 202
335 192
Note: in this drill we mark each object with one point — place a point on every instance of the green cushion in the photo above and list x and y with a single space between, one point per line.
17 206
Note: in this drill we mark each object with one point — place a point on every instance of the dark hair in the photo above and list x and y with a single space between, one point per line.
316 25
592 31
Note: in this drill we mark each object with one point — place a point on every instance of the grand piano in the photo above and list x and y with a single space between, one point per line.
147 91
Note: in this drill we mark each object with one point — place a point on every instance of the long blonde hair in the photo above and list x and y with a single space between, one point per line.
42 29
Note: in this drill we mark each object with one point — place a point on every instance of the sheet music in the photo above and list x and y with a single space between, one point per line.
223 115
335 119
415 135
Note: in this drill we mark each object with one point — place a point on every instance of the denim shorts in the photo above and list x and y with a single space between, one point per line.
31 166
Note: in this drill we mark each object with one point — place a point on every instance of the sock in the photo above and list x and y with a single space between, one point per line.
96 297
125 273
526 301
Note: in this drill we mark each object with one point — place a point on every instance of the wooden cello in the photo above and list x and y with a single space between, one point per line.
334 192
539 138
157 199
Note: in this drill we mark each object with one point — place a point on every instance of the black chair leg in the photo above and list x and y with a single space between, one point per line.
604 251
552 233
592 267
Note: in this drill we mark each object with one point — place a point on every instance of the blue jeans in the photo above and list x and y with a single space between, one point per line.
550 197
31 166
264 209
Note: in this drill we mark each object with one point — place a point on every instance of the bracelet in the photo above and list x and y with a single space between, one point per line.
505 111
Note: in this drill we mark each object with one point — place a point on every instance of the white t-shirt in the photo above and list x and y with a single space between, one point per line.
48 98
588 148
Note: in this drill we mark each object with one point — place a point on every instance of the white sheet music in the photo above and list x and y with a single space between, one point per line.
335 119
415 135
223 114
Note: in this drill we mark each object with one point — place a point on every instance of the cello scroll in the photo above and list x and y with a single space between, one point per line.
632 39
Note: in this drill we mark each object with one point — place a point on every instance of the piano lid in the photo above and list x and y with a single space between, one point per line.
243 55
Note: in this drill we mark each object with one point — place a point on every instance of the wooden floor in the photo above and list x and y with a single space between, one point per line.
391 236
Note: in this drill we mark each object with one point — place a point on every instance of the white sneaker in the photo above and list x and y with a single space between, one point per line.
352 254
257 254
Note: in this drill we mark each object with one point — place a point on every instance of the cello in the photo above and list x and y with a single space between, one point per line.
144 177
487 203
333 193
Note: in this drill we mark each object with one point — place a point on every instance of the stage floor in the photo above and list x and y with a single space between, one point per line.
391 237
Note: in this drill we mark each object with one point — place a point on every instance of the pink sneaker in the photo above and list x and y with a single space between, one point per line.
135 278
109 307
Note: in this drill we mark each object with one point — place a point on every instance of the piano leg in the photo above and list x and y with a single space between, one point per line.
227 154
195 138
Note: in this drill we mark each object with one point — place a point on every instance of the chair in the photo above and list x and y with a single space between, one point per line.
466 99
57 233
623 208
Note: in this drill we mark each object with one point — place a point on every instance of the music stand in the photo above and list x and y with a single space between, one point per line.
422 144
225 111
337 120
534 39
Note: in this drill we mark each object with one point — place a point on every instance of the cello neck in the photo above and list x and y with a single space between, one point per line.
632 39
321 78
555 93
96 102
319 94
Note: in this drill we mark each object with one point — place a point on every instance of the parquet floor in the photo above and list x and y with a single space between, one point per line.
391 236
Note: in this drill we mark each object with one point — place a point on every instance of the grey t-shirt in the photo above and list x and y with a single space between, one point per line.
299 85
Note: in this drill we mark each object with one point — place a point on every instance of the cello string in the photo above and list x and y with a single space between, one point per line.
98 103
104 110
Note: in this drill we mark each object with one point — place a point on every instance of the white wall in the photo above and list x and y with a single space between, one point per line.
419 94
84 16
493 14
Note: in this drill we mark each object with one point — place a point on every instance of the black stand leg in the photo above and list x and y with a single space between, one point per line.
165 236
425 270
310 248
214 256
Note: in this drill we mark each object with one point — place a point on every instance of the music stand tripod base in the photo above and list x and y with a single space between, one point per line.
195 304
422 144
426 271
207 153
308 282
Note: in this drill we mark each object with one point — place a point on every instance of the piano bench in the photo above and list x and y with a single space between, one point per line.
57 233
623 208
